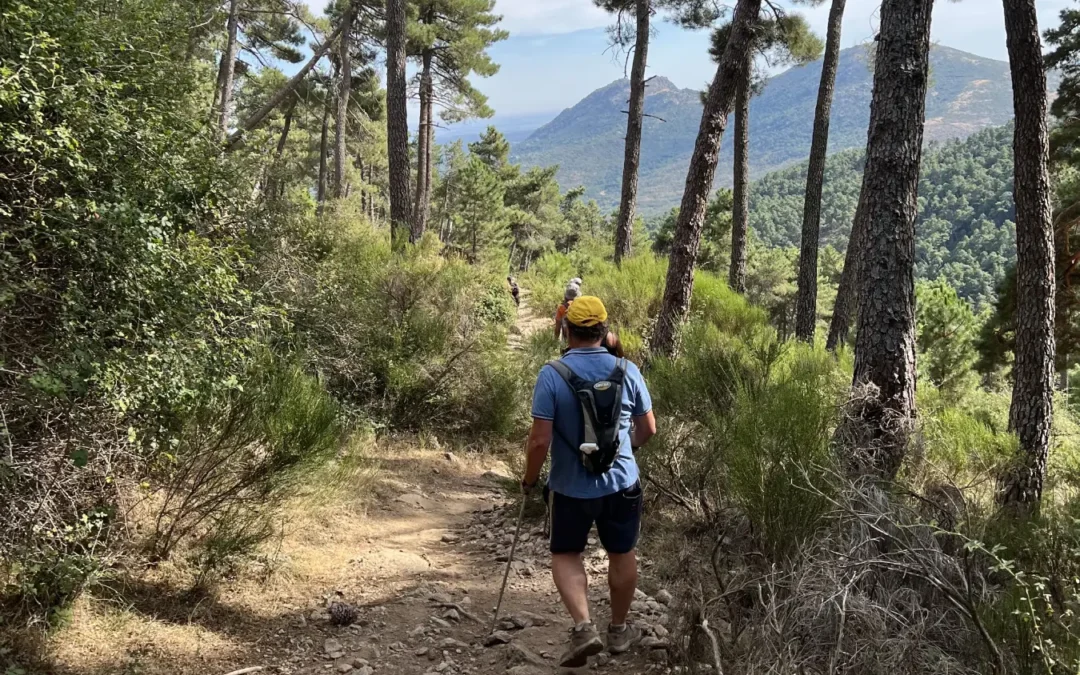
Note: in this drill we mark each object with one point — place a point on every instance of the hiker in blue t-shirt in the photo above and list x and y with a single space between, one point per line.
579 497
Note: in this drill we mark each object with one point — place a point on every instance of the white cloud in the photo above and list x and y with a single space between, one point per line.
531 17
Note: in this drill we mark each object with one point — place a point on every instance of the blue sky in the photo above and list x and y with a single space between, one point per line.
557 50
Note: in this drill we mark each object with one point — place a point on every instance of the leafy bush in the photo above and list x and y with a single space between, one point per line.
238 458
416 339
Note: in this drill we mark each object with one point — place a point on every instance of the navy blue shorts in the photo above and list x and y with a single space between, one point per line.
617 517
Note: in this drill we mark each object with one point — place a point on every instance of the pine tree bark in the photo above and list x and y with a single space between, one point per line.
1031 411
275 167
279 96
227 71
341 121
424 138
885 337
740 209
806 297
847 294
324 139
397 121
624 227
699 178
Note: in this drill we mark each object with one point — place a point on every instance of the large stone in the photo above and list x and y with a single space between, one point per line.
531 619
664 597
333 648
451 643
527 669
497 638
518 654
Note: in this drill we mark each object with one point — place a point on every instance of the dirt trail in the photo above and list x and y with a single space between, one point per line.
422 560
529 321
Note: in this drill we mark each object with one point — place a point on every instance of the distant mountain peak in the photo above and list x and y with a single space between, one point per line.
658 84
968 93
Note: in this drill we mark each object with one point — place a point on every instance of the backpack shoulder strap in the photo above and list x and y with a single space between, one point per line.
618 375
563 370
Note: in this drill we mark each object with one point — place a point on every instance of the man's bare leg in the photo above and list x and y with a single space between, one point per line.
622 581
568 570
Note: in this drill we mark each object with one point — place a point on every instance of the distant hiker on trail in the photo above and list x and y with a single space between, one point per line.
593 477
514 291
569 295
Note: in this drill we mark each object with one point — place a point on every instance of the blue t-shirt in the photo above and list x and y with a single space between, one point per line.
553 399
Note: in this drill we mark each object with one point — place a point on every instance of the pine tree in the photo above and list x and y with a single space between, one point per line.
885 339
1031 412
397 122
806 300
268 30
341 119
641 11
699 178
785 38
451 38
846 295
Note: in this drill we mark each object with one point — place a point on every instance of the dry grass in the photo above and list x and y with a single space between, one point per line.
150 622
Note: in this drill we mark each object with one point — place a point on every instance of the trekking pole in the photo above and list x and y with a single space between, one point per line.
509 560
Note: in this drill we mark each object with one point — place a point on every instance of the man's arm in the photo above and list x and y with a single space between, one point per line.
644 429
536 450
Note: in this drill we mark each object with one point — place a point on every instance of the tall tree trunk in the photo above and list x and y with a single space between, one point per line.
424 137
397 121
847 295
344 92
885 338
256 118
227 71
371 193
275 167
740 209
699 178
320 194
1033 388
624 228
363 188
806 298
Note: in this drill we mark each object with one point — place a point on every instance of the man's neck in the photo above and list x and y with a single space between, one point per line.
577 344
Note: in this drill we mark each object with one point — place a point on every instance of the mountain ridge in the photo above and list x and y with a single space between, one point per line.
967 93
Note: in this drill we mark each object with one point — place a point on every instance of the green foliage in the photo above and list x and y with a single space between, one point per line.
413 340
241 455
965 224
715 250
946 331
721 441
455 35
1065 58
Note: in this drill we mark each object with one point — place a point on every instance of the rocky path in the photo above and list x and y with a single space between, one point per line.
529 320
427 586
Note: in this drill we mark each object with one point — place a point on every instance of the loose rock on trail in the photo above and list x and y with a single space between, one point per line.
436 621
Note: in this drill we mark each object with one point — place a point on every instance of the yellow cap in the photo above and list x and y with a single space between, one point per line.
586 311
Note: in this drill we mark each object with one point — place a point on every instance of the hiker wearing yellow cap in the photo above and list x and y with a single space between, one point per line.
593 410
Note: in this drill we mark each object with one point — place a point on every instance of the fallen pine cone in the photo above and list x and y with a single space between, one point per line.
342 614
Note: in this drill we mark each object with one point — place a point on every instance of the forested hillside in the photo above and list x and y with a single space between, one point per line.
268 359
967 93
965 226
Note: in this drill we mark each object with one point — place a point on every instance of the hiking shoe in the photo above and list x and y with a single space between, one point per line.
621 639
584 642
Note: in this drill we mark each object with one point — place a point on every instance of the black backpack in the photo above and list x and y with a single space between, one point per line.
601 412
